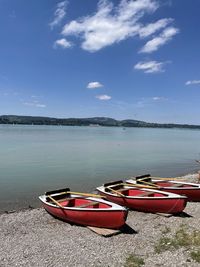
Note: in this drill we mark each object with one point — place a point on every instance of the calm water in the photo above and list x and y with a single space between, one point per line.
34 159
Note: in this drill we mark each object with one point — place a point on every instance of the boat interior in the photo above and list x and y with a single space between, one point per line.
164 182
66 200
121 189
172 184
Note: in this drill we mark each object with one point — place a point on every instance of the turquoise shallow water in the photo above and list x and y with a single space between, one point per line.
34 159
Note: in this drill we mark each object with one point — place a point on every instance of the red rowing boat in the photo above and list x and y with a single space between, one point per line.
81 209
143 199
190 190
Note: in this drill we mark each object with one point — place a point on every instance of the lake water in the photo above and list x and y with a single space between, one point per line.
34 159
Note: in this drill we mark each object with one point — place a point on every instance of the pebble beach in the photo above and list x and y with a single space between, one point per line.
34 238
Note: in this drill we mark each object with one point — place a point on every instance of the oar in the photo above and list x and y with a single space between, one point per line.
140 186
168 178
136 185
85 194
56 202
148 183
114 191
151 184
81 194
164 178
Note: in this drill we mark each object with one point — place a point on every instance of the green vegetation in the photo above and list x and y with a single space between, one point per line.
99 121
195 255
182 238
165 243
133 261
166 230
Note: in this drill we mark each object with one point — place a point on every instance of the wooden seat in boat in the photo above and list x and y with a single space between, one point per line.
145 194
87 204
122 190
176 185
70 201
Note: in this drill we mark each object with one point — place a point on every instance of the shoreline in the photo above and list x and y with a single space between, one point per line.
191 177
34 238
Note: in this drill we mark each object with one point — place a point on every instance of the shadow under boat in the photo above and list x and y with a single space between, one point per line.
183 214
125 229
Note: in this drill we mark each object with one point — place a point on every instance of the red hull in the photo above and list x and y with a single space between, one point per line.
191 191
191 194
165 205
107 215
105 219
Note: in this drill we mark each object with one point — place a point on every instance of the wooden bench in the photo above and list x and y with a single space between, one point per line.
145 194
62 200
176 185
121 190
87 204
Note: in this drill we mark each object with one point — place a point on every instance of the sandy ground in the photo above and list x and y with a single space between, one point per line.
34 238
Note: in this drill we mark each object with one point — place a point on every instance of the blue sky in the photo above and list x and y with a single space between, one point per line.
121 59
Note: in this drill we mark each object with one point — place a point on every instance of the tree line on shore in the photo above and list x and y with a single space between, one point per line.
95 121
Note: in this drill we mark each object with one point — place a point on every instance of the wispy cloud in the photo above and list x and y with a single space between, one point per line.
158 98
192 82
160 40
112 24
34 104
153 27
62 43
94 85
103 97
59 13
150 66
148 101
35 96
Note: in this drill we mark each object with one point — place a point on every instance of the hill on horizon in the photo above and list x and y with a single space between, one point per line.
99 121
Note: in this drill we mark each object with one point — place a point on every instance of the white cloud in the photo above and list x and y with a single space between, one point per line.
40 105
150 66
103 97
149 101
93 85
35 104
59 14
62 43
158 98
35 96
153 27
160 40
111 24
192 82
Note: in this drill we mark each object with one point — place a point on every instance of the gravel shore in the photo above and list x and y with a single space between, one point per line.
34 238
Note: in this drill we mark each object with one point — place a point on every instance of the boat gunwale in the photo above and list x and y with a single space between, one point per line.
195 186
112 206
167 196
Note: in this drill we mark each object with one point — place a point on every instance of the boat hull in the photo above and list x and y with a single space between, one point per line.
190 190
104 218
193 195
171 206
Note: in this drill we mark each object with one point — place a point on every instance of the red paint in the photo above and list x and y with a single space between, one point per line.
90 216
148 204
192 192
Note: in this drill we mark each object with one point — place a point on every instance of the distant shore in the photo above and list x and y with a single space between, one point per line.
94 121
34 238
